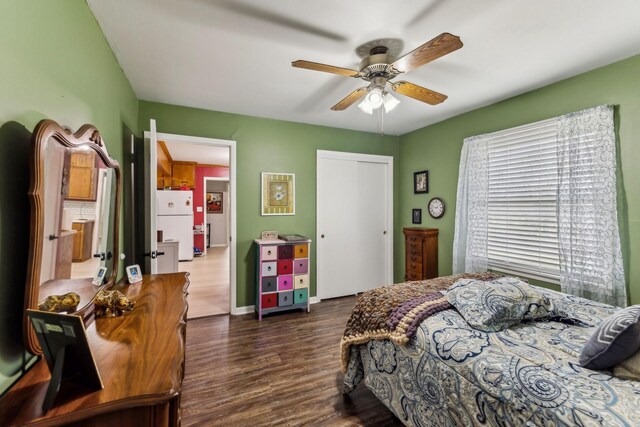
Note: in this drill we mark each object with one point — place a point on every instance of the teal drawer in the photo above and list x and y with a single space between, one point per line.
300 296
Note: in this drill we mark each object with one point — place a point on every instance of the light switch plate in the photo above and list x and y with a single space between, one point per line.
198 208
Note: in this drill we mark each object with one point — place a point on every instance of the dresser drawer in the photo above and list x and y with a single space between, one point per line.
285 266
301 281
285 298
269 300
285 283
414 247
300 296
414 258
300 266
269 268
285 252
269 253
413 275
301 251
269 284
414 266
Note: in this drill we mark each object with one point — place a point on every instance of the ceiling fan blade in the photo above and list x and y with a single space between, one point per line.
418 92
324 67
433 49
350 99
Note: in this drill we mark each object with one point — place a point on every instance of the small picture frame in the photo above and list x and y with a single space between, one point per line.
98 279
269 235
416 216
214 202
421 182
134 274
277 194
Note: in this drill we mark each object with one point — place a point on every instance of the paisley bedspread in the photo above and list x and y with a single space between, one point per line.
450 374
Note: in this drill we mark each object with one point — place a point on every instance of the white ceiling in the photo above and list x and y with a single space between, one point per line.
235 55
181 151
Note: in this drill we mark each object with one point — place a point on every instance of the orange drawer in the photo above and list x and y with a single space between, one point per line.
301 251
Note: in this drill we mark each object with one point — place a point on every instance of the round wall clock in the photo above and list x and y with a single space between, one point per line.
436 207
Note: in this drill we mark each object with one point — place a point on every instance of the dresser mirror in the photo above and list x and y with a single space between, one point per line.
75 204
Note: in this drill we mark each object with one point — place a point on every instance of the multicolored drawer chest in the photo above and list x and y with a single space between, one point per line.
282 276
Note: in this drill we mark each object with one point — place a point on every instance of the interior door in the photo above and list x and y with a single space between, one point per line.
337 250
151 178
353 225
372 200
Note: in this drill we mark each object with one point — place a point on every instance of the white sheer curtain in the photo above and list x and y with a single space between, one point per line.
588 235
471 228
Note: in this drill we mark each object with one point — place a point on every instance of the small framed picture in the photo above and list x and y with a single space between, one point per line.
98 279
214 202
420 182
416 216
134 274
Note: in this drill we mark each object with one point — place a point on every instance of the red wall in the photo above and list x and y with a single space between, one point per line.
198 197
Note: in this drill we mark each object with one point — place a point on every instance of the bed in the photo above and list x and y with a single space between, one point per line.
451 374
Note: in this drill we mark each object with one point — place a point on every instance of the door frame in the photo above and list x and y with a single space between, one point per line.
225 213
231 145
371 158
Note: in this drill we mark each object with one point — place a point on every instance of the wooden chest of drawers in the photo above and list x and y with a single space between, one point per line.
282 276
421 253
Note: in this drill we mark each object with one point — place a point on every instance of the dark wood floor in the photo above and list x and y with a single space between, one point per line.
282 371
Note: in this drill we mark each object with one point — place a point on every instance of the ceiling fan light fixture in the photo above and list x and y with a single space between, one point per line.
375 97
390 102
365 106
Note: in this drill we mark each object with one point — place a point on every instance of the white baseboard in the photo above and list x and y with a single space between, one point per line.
251 308
243 310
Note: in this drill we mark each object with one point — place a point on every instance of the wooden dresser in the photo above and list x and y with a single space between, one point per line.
140 357
421 253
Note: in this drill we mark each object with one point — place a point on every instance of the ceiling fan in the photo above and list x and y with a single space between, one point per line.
379 68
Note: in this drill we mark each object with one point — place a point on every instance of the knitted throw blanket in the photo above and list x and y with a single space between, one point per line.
394 312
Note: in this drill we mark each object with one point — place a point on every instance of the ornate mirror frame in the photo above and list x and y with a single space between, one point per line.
87 137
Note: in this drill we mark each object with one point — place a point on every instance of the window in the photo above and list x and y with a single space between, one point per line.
522 229
540 201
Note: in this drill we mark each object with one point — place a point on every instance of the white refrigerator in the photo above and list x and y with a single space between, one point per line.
174 211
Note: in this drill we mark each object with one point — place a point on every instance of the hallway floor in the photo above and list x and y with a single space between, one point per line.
209 283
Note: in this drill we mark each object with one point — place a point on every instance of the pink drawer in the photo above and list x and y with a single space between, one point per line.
285 283
285 266
300 282
300 265
269 253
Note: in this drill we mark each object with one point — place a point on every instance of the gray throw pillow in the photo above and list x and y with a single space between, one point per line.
615 340
497 304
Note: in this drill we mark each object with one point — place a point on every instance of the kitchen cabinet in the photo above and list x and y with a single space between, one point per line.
82 240
83 176
183 174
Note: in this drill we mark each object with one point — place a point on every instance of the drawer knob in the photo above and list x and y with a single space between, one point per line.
269 268
268 252
301 281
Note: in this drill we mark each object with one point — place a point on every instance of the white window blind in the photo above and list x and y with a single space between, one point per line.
522 201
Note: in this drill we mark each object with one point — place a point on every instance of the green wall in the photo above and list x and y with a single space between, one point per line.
437 148
56 64
265 145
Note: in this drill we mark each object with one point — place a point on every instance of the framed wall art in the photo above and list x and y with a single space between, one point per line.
416 216
421 182
214 202
278 194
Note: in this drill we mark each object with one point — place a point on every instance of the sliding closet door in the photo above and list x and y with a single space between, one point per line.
354 223
371 226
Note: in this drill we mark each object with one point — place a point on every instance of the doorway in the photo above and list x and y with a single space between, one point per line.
212 288
354 222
